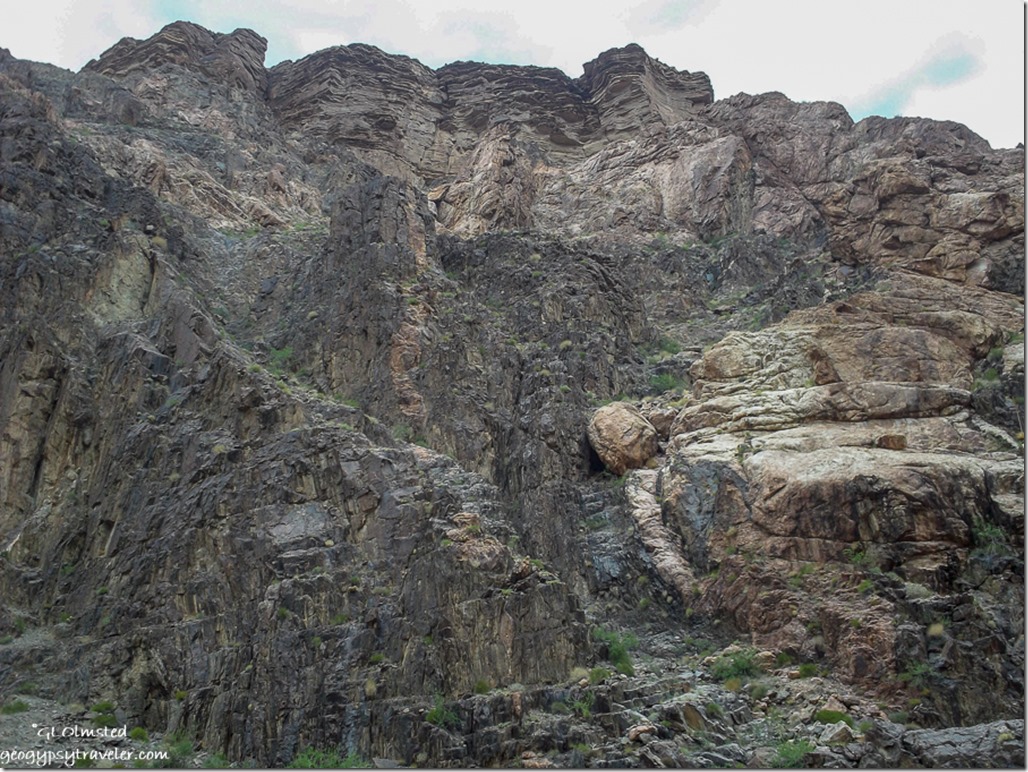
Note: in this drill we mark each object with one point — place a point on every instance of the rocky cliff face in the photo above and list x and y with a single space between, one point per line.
298 374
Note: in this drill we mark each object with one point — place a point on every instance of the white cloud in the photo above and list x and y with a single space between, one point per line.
69 33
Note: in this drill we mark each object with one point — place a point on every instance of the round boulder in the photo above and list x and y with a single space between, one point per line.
622 437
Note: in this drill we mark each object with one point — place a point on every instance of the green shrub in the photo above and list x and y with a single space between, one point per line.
598 675
482 686
714 710
584 706
737 665
665 382
180 751
216 761
617 649
442 716
17 706
789 754
140 734
808 670
104 706
377 658
918 674
833 717
758 691
278 357
313 758
989 539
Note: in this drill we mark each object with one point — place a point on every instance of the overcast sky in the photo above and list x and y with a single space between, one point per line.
961 60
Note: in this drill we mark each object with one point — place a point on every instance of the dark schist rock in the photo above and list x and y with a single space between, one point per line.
236 59
297 370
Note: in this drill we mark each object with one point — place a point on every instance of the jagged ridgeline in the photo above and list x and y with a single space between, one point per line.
354 410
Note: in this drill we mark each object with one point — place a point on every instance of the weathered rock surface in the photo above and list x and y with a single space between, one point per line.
622 438
299 438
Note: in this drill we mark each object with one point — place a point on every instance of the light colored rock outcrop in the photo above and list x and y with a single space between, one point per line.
622 437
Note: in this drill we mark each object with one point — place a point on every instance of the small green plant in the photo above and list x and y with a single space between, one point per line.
6 640
758 691
442 716
180 751
583 706
282 613
714 710
104 706
790 754
139 734
340 619
482 686
833 717
181 694
858 557
919 674
865 586
808 670
16 706
989 539
666 382
216 761
316 642
617 649
377 658
598 675
736 665
315 758
278 358
102 590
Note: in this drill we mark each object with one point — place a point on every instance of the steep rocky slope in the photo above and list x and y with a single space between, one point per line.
297 374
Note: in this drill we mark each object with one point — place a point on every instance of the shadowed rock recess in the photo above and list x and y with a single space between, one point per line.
302 367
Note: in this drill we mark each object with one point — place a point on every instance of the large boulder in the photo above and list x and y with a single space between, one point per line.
622 437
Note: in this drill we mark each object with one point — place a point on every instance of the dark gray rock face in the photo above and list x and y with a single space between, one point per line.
296 373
